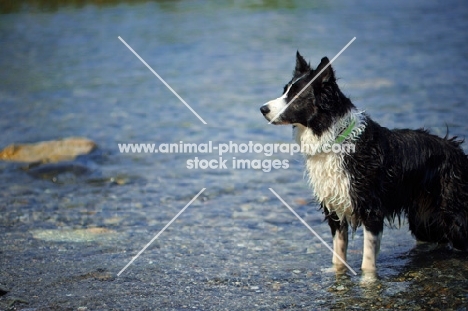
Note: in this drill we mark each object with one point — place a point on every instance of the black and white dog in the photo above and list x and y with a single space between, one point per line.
389 174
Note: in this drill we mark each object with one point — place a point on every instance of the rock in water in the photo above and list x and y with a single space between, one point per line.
48 151
3 290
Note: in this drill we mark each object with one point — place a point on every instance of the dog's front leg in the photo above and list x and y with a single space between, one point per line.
340 245
371 248
339 230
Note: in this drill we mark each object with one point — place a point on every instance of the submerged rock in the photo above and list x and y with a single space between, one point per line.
60 172
75 235
3 290
48 151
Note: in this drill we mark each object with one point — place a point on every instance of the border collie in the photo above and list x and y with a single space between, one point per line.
389 174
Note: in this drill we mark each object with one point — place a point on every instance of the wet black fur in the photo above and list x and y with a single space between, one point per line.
392 173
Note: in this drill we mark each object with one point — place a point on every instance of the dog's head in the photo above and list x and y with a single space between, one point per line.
312 98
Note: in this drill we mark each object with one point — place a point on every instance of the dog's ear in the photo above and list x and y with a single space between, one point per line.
327 74
301 65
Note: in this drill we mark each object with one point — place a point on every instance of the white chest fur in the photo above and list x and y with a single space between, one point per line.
330 182
325 170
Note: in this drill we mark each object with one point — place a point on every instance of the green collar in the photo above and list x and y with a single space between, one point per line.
343 135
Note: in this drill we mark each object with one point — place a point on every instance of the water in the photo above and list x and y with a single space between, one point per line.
64 72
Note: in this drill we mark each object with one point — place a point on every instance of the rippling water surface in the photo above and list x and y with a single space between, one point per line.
67 230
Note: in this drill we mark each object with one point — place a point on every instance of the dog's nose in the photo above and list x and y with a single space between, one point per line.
264 109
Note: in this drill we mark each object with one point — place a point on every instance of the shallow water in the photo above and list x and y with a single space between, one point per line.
67 230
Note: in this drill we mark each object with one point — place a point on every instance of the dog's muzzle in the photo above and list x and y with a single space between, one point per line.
265 109
273 110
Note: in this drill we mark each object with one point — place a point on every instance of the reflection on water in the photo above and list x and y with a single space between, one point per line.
11 6
64 73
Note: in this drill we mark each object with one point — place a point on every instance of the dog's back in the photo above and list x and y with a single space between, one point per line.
415 174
